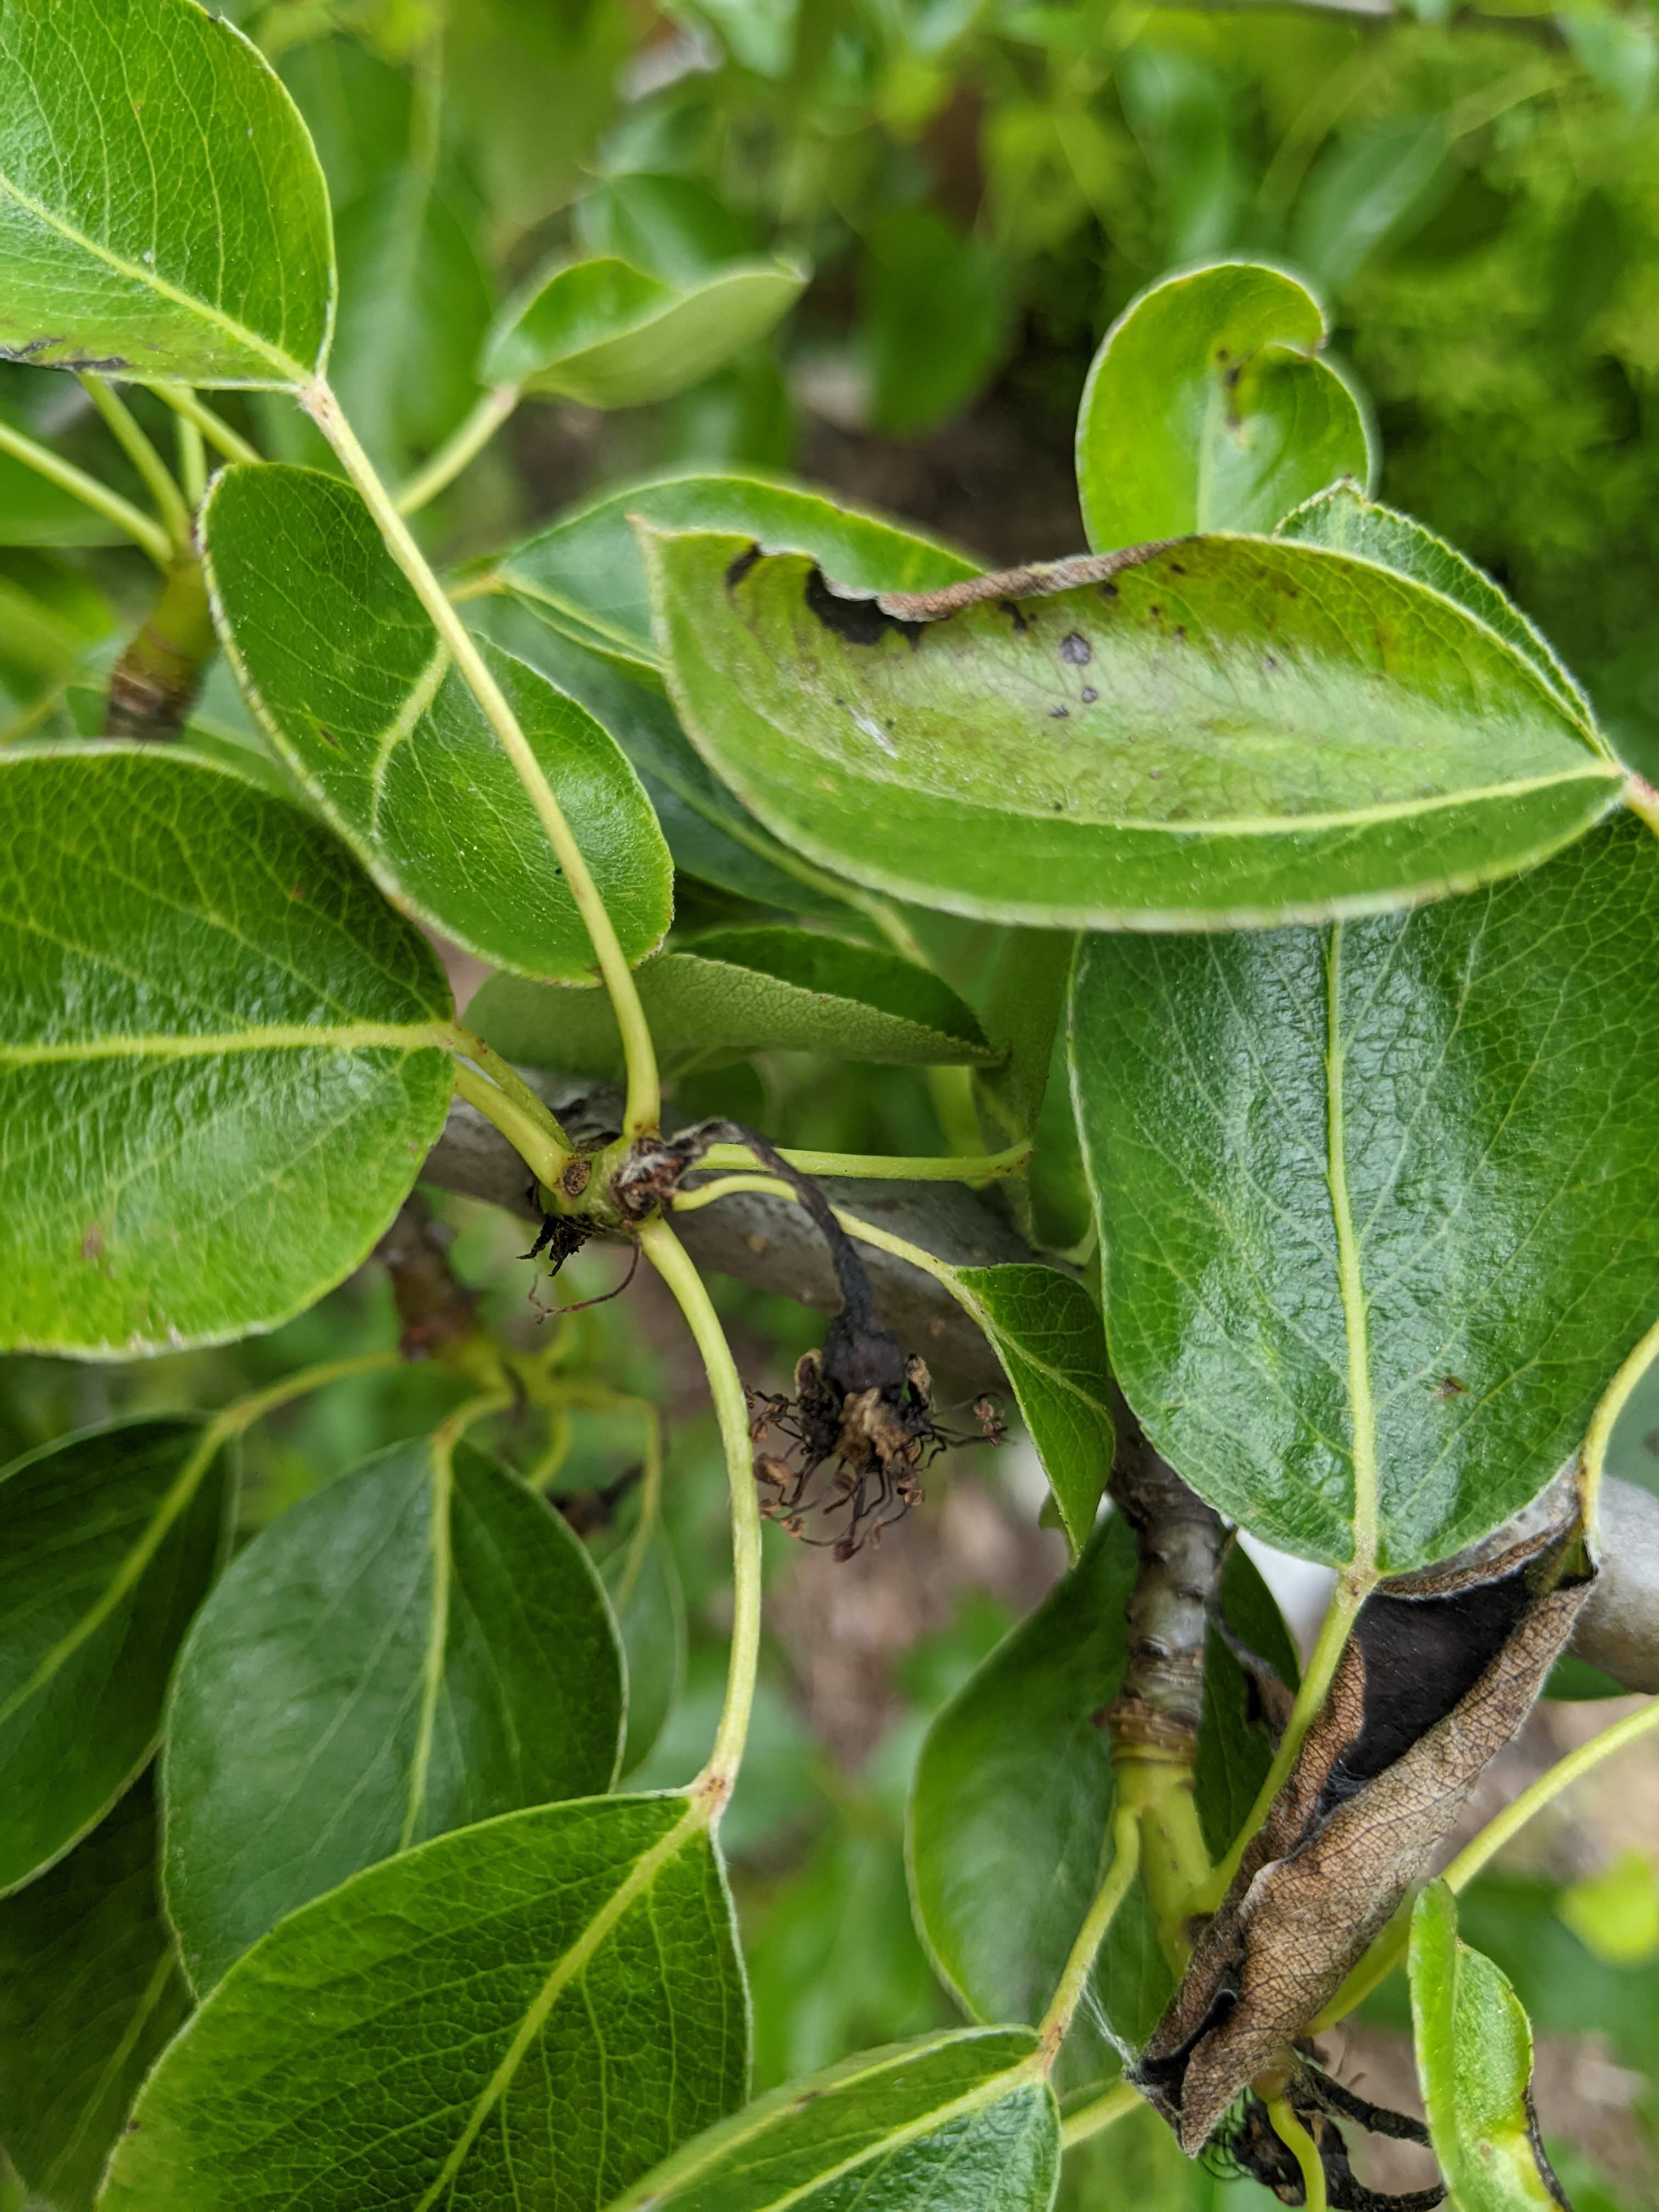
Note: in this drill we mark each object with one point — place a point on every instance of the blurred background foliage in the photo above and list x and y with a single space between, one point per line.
978 187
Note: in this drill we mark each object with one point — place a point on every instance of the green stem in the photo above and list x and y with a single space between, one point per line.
1345 1601
650 1506
1609 1406
192 459
1301 2147
245 1412
1510 1822
131 520
1062 2009
153 686
951 1090
1642 801
462 446
502 1074
1105 2112
214 427
541 1154
128 435
643 1108
982 1167
667 1255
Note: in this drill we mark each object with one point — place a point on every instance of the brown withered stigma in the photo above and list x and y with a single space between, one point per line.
1440 1670
860 1426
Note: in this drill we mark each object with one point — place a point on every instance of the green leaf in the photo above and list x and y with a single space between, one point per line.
670 227
960 2122
222 1055
1047 1332
1013 1802
112 1539
1208 407
610 335
650 1610
90 1996
1377 191
1474 2063
362 701
1228 731
161 211
708 834
415 303
419 1646
740 992
938 315
1378 1203
1617 48
537 2009
585 574
1344 520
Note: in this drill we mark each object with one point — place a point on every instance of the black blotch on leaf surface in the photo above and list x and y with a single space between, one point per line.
860 622
1076 649
737 569
1011 608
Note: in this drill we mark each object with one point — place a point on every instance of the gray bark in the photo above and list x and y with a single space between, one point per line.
771 1244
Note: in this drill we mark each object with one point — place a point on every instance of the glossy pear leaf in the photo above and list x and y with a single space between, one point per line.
1047 1332
1378 1204
1208 407
1474 2063
959 2123
585 574
610 335
1224 732
112 1539
644 1588
738 992
417 1646
535 2010
362 700
222 1055
161 211
1344 520
90 1996
1011 1804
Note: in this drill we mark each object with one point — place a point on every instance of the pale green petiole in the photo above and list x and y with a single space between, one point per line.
460 447
127 518
128 434
643 1108
667 1255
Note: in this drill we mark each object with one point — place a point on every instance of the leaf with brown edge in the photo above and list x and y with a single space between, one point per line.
1440 1670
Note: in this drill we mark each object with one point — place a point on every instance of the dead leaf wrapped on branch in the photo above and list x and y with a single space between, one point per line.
1440 1671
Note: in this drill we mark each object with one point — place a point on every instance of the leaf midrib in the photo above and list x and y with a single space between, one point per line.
346 1036
1350 1280
171 1504
440 1542
292 372
692 1822
983 2094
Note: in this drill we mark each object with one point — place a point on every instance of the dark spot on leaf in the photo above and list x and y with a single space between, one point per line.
737 569
1233 375
860 622
92 1244
298 891
1088 694
1176 568
1076 649
1450 1387
1181 629
1157 613
326 739
1011 608
1109 590
1058 713
1268 661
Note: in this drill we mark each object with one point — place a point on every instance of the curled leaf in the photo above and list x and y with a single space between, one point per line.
1440 1671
